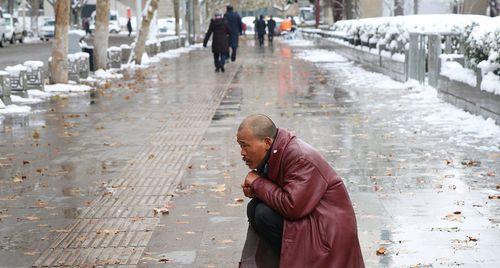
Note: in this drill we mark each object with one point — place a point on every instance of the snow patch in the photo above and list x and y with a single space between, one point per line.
107 74
491 83
15 109
321 55
67 88
19 99
455 71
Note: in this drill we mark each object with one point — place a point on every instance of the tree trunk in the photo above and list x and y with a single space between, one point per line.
177 18
143 34
59 65
415 6
101 34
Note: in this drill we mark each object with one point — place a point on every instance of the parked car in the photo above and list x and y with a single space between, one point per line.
114 22
48 29
14 29
3 29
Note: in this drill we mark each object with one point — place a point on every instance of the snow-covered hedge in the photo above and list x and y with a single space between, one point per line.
482 46
393 33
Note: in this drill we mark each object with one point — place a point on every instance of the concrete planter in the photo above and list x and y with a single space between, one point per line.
5 87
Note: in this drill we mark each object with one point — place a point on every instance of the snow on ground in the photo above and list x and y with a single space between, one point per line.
491 83
415 108
67 88
175 53
15 109
107 74
298 42
21 100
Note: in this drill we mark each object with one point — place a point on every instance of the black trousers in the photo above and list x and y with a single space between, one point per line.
261 39
233 53
219 60
270 35
266 222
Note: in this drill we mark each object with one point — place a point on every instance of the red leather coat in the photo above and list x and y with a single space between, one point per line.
320 224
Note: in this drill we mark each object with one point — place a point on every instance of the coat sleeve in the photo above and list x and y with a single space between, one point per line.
208 34
304 186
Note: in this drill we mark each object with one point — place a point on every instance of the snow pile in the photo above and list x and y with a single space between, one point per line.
68 88
18 99
80 33
34 93
114 49
106 74
297 42
491 83
2 105
454 71
33 65
15 109
15 70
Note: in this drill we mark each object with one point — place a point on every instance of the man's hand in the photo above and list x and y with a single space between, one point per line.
247 184
251 177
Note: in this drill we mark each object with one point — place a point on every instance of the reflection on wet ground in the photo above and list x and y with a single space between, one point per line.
417 191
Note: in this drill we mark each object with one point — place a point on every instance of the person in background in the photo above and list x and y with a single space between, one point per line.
129 27
233 20
271 24
220 41
261 30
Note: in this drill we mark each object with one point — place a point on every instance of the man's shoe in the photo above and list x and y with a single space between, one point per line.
222 69
217 69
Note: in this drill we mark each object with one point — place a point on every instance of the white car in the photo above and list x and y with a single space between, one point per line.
48 30
14 29
114 23
3 29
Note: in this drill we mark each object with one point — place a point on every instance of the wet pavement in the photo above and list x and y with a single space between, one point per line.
81 176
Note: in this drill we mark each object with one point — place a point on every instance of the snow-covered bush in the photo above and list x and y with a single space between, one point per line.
482 47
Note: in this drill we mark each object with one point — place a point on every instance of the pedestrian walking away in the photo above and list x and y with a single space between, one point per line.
220 41
129 27
271 24
233 20
86 25
261 30
300 207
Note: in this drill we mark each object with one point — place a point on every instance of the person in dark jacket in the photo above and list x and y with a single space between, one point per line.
271 24
299 206
233 20
261 30
220 41
129 27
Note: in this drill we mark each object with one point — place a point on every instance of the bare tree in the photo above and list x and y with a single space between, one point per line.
142 36
101 34
59 65
77 9
177 17
415 6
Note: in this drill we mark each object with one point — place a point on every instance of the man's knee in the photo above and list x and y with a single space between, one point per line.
264 215
251 209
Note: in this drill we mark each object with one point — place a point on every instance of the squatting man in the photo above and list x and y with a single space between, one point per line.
299 206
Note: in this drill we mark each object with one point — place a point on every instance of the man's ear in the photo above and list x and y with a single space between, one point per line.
269 142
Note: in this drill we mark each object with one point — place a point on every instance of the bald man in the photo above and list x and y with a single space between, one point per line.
299 205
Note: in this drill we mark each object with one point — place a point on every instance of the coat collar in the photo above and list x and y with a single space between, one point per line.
283 137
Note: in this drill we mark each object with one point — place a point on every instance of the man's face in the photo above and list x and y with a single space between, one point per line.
253 149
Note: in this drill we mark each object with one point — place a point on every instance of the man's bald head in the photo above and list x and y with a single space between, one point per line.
260 125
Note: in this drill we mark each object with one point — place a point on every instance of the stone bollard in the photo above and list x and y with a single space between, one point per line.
83 64
115 57
163 45
151 49
73 73
182 41
5 87
17 77
126 51
35 76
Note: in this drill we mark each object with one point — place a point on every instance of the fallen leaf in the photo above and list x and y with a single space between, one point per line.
218 188
31 253
182 222
160 211
496 196
227 241
190 232
17 178
471 238
151 156
239 200
163 260
25 162
381 251
32 218
36 135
